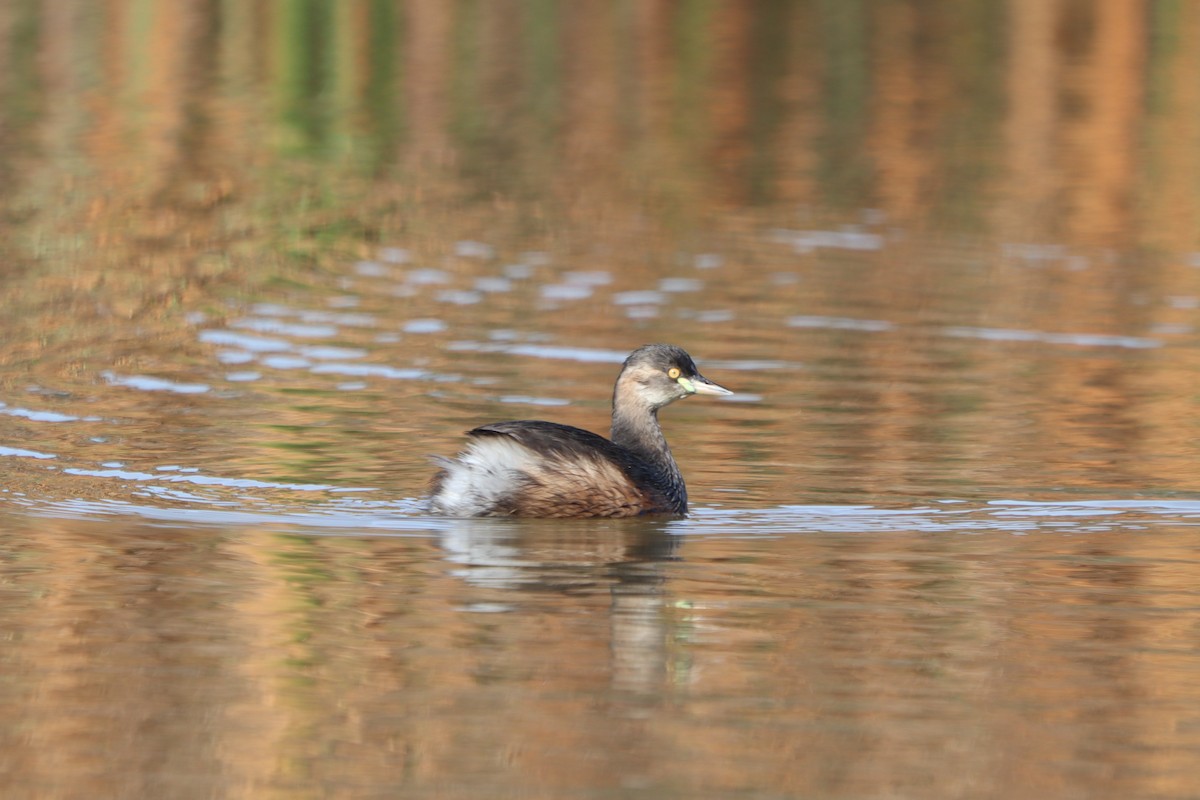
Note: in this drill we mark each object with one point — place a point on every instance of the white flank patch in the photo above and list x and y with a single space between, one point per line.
488 471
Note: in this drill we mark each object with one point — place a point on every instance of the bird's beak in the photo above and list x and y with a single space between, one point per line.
702 385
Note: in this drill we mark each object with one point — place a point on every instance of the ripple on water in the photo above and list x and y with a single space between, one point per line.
330 352
208 480
312 316
349 517
524 399
244 341
583 354
840 323
640 297
354 514
395 255
371 371
518 272
847 239
750 364
1002 516
424 326
680 285
459 297
285 362
588 278
235 357
566 291
372 269
1041 337
298 330
987 334
147 383
43 416
349 319
17 452
712 316
426 277
472 249
493 285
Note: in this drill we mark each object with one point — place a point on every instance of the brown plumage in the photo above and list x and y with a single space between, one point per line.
532 468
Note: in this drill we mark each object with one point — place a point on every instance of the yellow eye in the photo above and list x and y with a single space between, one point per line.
673 373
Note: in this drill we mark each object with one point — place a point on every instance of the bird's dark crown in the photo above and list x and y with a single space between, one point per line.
662 357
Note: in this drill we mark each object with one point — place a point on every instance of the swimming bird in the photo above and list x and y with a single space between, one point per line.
530 468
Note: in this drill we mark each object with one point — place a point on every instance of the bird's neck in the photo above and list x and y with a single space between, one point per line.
637 430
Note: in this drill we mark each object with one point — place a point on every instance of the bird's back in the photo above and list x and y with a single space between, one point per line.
544 469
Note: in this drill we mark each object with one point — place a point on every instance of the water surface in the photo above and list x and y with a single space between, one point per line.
260 261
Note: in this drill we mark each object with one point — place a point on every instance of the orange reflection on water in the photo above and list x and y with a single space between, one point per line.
942 251
543 659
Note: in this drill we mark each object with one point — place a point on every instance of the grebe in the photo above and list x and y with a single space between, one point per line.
531 468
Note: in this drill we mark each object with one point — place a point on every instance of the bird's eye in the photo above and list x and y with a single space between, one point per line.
673 373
